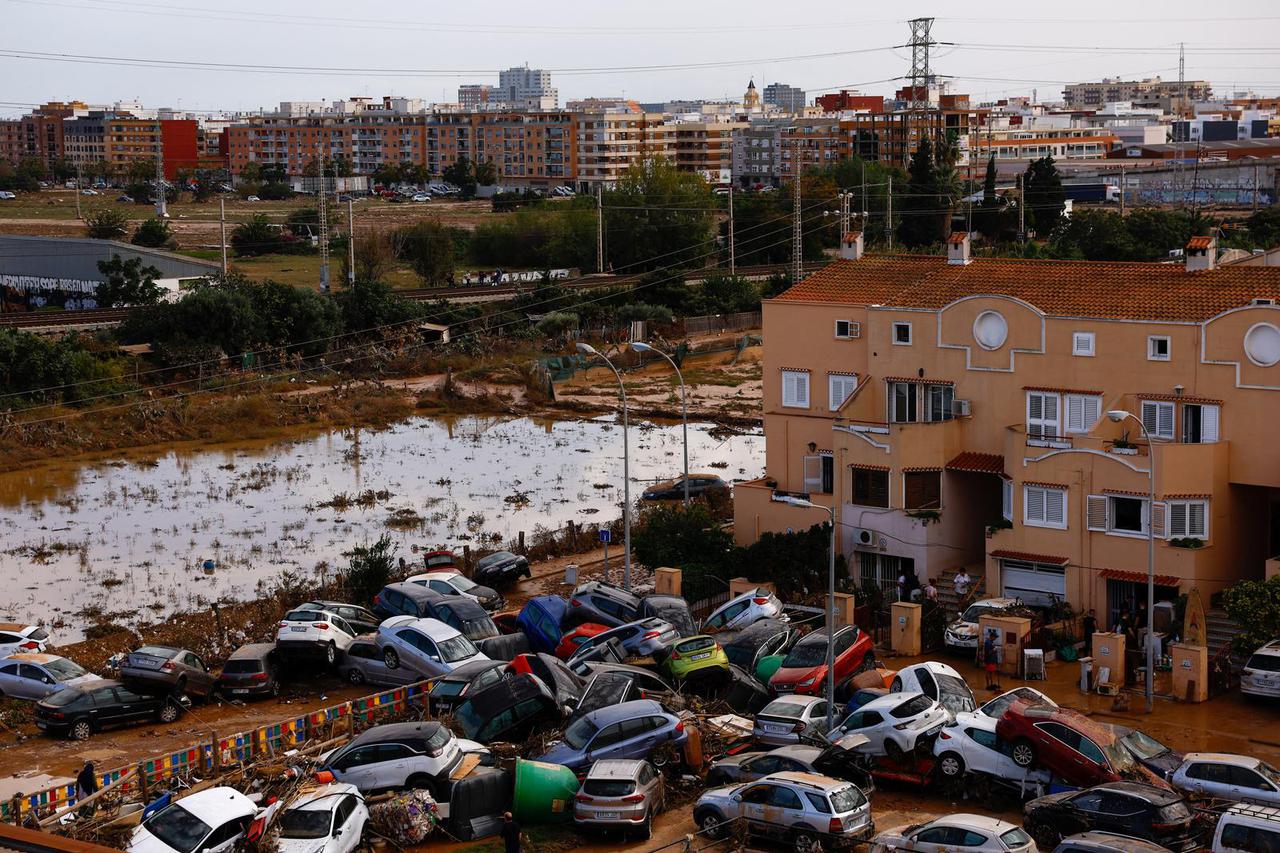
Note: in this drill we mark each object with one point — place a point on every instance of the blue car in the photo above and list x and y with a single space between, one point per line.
862 696
628 730
541 619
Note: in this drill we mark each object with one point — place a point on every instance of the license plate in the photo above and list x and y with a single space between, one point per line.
934 730
240 690
608 815
41 724
702 656
297 629
775 729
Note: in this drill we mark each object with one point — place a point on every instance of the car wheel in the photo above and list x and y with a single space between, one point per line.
355 676
951 765
391 658
896 687
805 842
646 828
894 751
1046 836
168 713
420 782
1023 754
330 654
712 824
80 730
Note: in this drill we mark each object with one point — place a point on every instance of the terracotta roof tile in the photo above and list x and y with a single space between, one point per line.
919 380
1183 398
957 238
1129 291
921 469
862 466
1053 390
1029 557
979 463
1200 243
1138 577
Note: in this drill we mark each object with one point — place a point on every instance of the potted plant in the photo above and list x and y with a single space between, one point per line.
998 524
1122 446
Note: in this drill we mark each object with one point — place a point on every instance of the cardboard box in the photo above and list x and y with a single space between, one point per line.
666 581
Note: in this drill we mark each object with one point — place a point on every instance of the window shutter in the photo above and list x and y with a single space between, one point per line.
1158 519
1006 499
1075 413
1164 423
1042 415
1055 506
1097 512
1051 412
1208 424
1197 519
1149 417
1033 499
1177 519
1092 412
813 474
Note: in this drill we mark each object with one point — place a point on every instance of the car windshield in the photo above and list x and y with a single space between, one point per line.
975 612
783 709
304 823
695 645
62 697
178 828
63 669
847 799
579 734
807 654
1015 838
1270 772
1142 746
462 583
1121 759
954 694
38 634
456 648
1266 663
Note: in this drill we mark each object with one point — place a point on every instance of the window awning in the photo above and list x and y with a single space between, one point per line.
1029 557
977 463
1138 577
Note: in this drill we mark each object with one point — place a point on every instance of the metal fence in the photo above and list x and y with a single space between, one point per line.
717 323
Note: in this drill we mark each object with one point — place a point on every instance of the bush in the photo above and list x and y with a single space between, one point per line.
429 249
1255 606
107 224
154 234
256 237
128 283
369 305
557 323
682 538
659 314
275 191
371 568
30 362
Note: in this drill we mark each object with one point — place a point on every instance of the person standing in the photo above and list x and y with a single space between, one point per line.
930 591
962 583
1090 625
511 834
87 786
989 660
902 586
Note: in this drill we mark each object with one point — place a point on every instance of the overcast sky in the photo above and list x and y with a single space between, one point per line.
999 48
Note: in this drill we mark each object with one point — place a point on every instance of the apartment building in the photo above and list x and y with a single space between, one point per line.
1033 140
610 142
1152 90
38 135
474 96
788 99
523 87
529 149
953 412
119 140
706 147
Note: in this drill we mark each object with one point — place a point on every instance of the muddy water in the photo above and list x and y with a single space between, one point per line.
124 539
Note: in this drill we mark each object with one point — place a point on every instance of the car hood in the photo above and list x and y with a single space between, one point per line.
144 842
300 845
962 628
561 753
1048 800
1165 762
484 593
797 674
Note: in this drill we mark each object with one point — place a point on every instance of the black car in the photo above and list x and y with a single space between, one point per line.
501 567
405 599
673 490
565 684
613 686
78 712
1151 753
360 618
747 646
452 689
1129 808
510 710
673 609
251 671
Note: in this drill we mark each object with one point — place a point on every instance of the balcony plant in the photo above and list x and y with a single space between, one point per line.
998 524
926 516
1122 446
1187 542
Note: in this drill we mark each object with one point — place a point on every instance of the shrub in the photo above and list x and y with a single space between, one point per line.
429 249
257 236
371 568
106 224
154 234
1255 606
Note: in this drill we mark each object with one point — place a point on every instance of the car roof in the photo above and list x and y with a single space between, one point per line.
463 606
1271 648
152 649
666 598
325 603
751 593
625 711
812 780
470 669
934 666
216 804
996 602
415 591
592 587
252 650
821 633
507 692
799 752
616 768
891 700
598 667
976 821
800 699
1158 796
396 731
323 798
33 657
1222 758
445 575
433 628
16 626
1109 840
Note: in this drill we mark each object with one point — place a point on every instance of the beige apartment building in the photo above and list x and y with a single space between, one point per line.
953 412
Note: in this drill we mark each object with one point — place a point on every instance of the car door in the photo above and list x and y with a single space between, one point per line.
755 802
11 682
758 768
928 686
843 659
358 767
784 811
606 743
129 706
1249 786
1208 779
871 724
417 650
936 839
197 673
393 765
817 718
345 835
441 587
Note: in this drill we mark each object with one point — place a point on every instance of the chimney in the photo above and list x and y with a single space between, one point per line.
1202 253
851 248
958 248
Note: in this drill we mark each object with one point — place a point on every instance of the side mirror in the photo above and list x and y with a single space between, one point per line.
737 798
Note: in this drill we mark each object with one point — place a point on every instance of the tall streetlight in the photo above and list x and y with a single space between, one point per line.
588 349
1117 416
641 346
802 503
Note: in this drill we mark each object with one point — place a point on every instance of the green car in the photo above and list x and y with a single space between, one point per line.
695 655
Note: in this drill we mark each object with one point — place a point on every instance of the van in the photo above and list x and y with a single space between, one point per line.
1248 829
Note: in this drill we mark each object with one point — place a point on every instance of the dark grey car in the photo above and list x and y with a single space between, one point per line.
250 671
363 663
603 604
673 609
169 670
500 568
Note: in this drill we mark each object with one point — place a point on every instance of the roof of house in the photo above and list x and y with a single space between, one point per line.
1110 290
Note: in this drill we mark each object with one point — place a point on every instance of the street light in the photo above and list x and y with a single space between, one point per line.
1117 416
802 503
587 349
641 346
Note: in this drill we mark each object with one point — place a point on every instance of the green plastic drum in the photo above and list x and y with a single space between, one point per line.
768 665
544 792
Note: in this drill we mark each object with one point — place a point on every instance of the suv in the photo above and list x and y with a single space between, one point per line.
962 634
168 669
361 619
211 821
510 709
314 632
405 599
642 638
630 730
1079 750
604 604
1261 673
397 755
1143 811
78 712
622 793
250 671
427 646
740 611
1222 776
1248 829
1105 842
804 669
802 808
16 637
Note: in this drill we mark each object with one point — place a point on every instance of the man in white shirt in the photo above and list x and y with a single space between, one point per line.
962 584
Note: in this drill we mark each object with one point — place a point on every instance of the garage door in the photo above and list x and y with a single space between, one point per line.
1036 584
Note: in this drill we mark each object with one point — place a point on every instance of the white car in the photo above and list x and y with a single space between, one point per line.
6 195
743 610
314 631
789 719
895 725
209 821
963 632
16 638
937 681
970 745
1223 776
995 708
968 832
420 197
329 819
456 583
1245 829
1261 674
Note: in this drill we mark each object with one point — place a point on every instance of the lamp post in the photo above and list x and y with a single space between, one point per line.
1117 416
641 346
802 503
587 349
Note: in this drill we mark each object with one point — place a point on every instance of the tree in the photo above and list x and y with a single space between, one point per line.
557 324
461 174
1264 228
1043 195
640 311
31 364
992 219
256 236
370 569
1255 607
252 173
128 283
275 191
339 167
369 305
683 538
926 208
375 254
154 234
486 173
658 215
429 249
106 224
1146 234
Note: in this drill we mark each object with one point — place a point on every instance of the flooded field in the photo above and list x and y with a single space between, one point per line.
123 540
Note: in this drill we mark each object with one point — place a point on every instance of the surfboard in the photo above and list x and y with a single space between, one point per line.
1193 622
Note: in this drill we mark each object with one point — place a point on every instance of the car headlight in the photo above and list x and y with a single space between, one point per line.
808 682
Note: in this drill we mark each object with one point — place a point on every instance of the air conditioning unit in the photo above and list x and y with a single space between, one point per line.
864 538
960 408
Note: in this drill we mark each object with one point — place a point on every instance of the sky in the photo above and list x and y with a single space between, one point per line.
97 50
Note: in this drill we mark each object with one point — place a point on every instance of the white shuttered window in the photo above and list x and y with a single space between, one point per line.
1157 417
1188 519
1042 415
1083 411
840 387
1044 506
795 389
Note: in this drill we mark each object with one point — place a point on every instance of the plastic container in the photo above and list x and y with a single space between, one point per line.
476 803
544 792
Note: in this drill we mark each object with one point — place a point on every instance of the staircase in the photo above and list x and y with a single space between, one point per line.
1219 630
947 588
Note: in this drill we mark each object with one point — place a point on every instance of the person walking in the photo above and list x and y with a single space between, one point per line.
511 835
962 582
989 660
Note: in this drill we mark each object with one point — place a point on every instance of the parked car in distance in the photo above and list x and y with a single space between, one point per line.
804 669
1261 673
746 647
641 638
501 568
363 663
456 583
167 669
5 195
802 809
895 725
962 634
441 561
1224 776
328 819
630 730
317 634
741 610
35 675
673 490
251 670
540 619
510 710
426 646
16 638
937 681
78 712
670 608
405 599
698 656
1082 752
397 755
1131 808
969 832
1150 753
1247 829
969 744
791 719
1106 842
603 603
361 619
571 640
619 794
450 690
211 821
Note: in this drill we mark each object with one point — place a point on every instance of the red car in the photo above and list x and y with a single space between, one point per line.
804 669
441 561
1074 747
569 642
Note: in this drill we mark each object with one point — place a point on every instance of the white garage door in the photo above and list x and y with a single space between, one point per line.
1035 583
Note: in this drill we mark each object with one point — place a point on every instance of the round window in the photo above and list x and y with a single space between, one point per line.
1262 344
990 330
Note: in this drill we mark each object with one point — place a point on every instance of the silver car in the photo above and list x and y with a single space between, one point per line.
426 646
801 809
743 610
791 719
397 755
641 638
620 793
35 676
363 664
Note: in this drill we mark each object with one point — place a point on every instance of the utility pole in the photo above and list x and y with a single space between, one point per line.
846 209
80 180
222 232
864 195
162 209
323 209
599 228
1124 190
797 228
1022 212
918 106
1255 187
888 215
733 261
351 242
